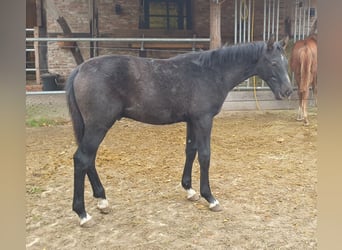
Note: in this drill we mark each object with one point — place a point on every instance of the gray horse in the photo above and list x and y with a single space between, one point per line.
188 88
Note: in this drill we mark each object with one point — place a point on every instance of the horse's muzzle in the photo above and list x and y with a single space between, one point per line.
288 93
284 94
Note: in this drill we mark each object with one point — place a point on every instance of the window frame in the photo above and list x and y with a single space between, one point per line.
184 20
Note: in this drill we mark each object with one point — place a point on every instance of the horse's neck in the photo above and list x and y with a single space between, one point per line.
241 62
236 73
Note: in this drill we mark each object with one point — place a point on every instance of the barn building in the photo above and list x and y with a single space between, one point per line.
241 21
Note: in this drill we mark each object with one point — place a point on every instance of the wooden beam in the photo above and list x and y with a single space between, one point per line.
67 32
39 8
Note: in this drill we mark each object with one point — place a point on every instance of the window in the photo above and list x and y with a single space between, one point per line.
165 14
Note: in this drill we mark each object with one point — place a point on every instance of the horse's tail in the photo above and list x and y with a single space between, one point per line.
306 62
76 116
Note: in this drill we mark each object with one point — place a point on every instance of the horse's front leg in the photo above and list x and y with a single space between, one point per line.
190 151
203 133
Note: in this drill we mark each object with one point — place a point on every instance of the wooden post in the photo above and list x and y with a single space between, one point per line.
93 27
36 55
40 48
215 24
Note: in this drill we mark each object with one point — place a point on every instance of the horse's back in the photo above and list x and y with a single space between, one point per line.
304 62
143 89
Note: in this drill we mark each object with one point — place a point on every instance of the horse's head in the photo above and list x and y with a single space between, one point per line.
272 67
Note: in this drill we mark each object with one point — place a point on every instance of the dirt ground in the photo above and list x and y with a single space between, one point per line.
263 172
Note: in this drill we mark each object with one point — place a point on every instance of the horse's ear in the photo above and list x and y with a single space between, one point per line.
284 42
270 43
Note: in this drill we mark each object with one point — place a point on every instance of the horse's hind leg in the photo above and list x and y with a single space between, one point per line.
190 152
84 163
314 90
305 98
300 106
98 190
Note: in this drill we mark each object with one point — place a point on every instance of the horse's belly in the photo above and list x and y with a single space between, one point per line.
154 115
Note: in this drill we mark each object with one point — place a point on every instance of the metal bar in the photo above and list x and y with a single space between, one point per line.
269 19
235 23
30 49
264 29
244 22
29 30
309 24
104 39
30 70
240 22
304 18
273 10
44 92
251 88
300 23
295 25
249 21
277 31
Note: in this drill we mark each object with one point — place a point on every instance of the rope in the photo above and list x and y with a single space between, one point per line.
254 78
245 10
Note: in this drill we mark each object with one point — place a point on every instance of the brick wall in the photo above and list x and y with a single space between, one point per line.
126 24
118 24
75 12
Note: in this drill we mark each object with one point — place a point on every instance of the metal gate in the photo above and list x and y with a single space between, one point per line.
244 20
304 16
244 29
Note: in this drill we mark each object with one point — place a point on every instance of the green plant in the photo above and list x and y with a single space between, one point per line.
42 122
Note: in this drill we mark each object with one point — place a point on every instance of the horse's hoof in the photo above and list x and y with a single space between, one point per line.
86 221
194 197
215 207
103 206
105 210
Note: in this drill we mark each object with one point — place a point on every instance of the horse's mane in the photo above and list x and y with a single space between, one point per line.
232 54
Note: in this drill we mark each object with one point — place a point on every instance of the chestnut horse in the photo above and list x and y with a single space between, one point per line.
303 63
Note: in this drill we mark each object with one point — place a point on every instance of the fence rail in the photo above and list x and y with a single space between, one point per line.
116 39
141 40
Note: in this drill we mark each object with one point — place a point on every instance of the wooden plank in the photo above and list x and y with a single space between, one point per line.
245 100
